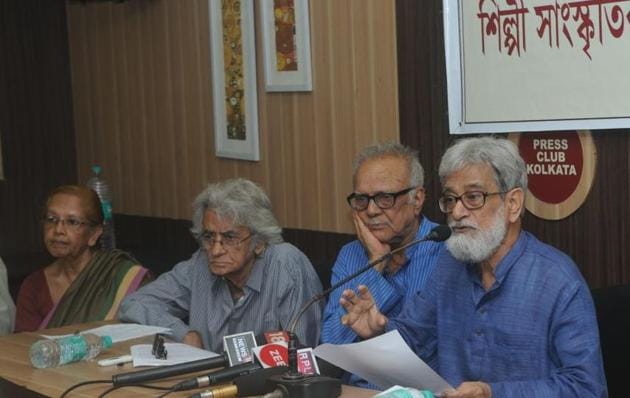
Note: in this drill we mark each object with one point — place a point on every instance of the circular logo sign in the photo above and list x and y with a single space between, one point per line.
560 171
274 355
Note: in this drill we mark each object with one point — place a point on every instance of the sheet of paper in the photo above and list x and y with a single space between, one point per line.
176 353
386 361
120 331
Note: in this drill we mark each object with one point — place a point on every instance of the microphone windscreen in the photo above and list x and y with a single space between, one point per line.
256 383
439 233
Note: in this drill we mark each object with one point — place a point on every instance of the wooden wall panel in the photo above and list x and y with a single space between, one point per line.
596 236
143 107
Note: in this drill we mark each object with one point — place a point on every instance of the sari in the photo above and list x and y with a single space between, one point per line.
97 292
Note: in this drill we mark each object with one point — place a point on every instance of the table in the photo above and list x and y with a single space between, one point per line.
16 367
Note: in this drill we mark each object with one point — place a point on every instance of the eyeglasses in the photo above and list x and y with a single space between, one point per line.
228 239
471 200
73 224
384 200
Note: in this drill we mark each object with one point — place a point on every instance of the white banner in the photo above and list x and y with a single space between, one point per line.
532 65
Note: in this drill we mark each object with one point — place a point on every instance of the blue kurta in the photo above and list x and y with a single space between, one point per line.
533 334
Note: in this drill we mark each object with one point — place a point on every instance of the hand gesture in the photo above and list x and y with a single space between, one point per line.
362 314
470 389
374 247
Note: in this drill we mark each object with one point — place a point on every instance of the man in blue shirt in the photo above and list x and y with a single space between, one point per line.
386 207
503 315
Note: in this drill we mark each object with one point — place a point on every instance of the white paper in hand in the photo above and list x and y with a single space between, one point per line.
385 361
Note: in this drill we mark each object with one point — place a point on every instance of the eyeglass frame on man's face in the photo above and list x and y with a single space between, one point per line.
228 240
75 224
465 198
393 196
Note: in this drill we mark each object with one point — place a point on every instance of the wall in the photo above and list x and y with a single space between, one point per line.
122 119
35 118
595 236
142 102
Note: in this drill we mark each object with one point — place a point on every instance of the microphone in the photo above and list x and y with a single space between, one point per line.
230 356
294 384
218 376
439 233
141 376
253 384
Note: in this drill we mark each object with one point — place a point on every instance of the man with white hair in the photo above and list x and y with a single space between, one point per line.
503 315
242 278
386 202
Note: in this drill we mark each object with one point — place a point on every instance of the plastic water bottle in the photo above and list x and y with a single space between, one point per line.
49 353
108 239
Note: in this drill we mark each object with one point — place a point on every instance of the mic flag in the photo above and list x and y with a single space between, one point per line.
239 347
275 337
307 364
240 350
272 355
277 354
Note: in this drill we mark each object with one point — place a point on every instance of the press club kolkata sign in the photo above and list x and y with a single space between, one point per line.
560 171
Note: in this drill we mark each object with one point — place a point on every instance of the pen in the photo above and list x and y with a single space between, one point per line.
115 360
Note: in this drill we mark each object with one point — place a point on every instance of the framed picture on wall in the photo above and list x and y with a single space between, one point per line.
233 60
286 45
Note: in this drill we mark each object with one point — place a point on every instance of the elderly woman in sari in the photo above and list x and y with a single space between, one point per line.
83 283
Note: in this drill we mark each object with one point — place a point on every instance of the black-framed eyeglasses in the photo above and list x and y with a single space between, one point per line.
472 200
384 200
228 239
75 224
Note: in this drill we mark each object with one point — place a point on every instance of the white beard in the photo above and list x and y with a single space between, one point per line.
477 246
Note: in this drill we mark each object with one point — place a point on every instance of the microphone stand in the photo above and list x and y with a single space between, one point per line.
348 278
296 385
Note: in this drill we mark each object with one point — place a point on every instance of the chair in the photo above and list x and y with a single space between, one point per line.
613 316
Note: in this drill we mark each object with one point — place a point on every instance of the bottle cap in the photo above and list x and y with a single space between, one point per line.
107 341
96 169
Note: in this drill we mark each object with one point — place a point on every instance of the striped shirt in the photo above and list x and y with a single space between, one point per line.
389 291
189 298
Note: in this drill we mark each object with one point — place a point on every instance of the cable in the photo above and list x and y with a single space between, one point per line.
167 390
172 389
112 388
83 383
